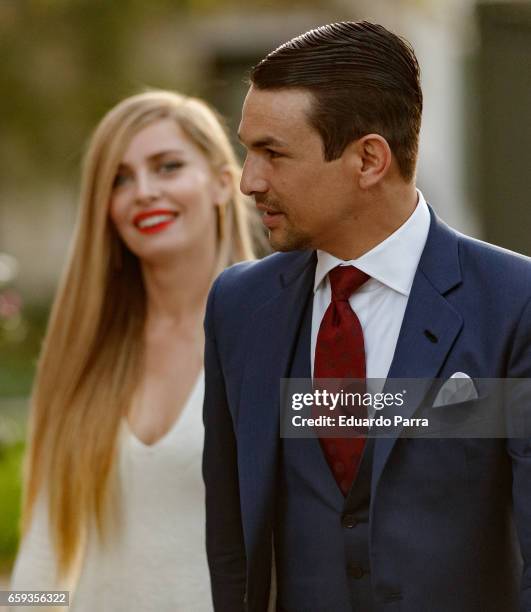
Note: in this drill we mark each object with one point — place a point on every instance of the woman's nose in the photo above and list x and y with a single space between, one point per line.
147 189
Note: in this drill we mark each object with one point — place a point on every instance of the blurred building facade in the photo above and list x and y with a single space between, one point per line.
503 145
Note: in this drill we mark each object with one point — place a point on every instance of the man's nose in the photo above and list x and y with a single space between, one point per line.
252 180
147 188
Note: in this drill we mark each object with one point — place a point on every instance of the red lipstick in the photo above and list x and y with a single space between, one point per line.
154 220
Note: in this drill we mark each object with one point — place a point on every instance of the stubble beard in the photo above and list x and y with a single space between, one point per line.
290 239
286 238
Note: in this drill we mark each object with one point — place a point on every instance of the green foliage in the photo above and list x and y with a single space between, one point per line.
66 62
18 359
63 65
10 494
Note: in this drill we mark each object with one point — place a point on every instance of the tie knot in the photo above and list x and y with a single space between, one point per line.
344 280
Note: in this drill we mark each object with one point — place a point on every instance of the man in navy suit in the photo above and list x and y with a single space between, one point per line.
331 124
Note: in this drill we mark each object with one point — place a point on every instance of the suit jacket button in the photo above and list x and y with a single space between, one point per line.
349 521
355 571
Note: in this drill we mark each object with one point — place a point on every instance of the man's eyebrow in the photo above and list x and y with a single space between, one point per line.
266 141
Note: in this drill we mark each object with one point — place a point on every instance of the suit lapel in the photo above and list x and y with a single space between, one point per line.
308 449
429 329
274 328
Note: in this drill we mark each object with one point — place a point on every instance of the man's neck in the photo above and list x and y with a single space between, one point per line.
381 216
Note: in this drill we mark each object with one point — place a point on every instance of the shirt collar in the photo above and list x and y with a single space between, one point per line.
394 261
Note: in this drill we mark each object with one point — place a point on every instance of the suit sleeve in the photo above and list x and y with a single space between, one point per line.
520 449
224 536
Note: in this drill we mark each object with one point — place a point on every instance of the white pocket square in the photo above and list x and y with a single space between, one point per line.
458 388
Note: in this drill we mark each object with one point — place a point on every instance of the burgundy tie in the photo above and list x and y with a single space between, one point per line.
340 353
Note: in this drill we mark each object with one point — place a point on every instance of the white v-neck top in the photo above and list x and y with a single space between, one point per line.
157 562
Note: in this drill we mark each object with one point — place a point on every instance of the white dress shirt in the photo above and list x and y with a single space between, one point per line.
380 302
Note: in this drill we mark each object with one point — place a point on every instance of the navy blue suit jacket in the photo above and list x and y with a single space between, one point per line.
443 512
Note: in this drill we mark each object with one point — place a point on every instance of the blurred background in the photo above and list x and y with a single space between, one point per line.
64 63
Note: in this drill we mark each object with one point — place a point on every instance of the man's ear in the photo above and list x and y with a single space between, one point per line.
373 159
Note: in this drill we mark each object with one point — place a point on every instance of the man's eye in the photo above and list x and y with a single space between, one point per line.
272 154
170 166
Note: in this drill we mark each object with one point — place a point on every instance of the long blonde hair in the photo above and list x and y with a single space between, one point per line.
92 351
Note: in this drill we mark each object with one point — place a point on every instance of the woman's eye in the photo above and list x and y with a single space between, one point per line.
120 179
170 166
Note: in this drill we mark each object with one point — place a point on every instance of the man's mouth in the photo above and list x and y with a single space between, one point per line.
270 217
153 221
266 209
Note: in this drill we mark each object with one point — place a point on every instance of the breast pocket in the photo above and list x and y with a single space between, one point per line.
482 417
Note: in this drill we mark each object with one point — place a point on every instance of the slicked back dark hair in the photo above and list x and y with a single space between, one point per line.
364 79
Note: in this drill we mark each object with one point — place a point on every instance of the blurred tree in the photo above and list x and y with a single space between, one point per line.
63 64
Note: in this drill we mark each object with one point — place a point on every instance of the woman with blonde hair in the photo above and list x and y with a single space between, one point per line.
113 503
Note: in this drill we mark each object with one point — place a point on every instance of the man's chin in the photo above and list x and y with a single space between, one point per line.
284 243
